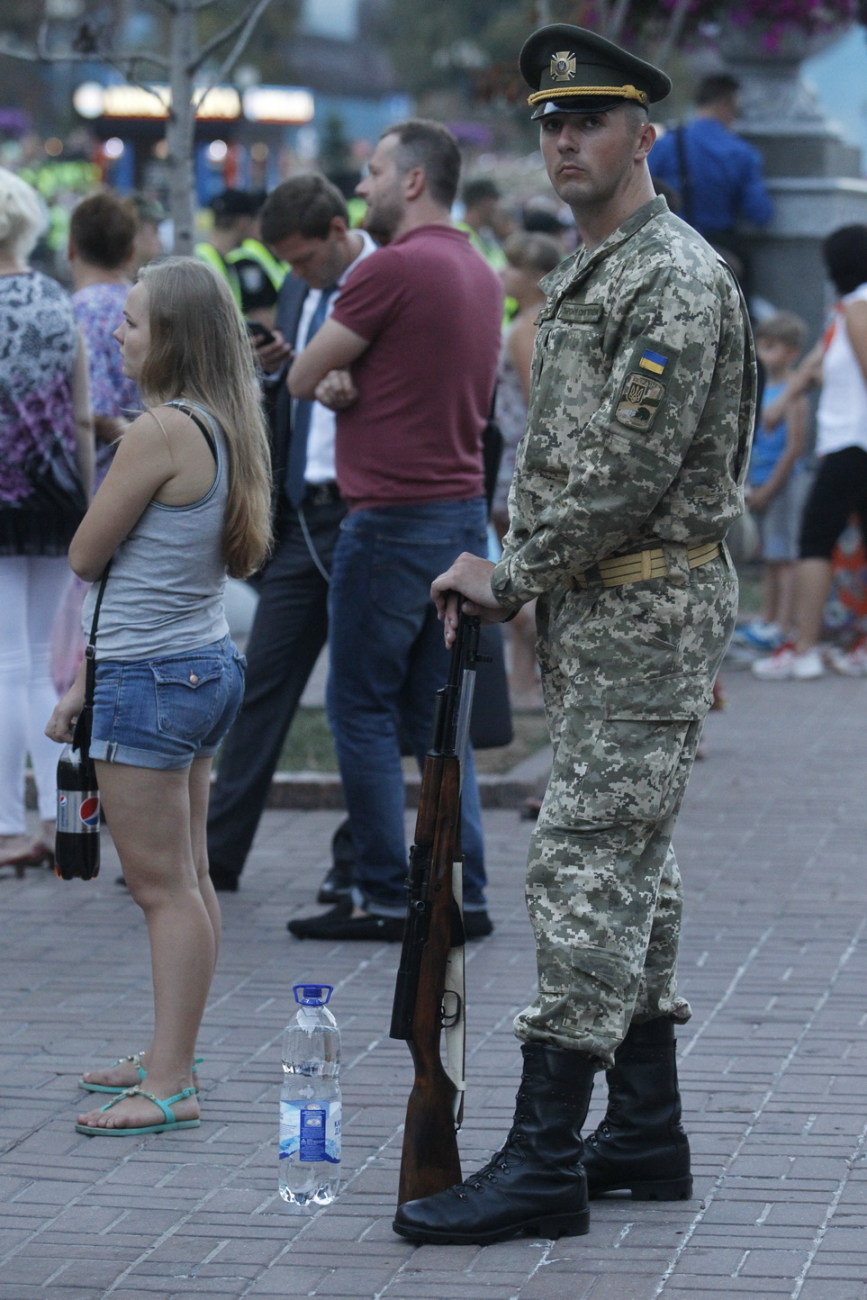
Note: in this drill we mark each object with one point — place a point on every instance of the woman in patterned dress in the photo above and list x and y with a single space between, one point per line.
46 466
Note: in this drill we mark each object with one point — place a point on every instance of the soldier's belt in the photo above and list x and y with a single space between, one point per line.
640 565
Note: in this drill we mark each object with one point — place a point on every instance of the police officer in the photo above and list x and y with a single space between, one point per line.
260 274
234 213
643 390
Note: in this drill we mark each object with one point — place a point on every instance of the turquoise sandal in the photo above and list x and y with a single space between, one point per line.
165 1104
135 1060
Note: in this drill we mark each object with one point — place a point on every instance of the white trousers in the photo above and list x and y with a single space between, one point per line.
30 591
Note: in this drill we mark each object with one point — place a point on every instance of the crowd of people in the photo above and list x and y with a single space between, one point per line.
304 403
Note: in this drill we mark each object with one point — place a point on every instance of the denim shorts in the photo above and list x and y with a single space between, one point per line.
163 713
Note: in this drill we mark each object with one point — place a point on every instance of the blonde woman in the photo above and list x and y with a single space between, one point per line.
186 500
46 466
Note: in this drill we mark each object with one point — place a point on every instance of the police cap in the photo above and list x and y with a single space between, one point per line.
572 70
235 203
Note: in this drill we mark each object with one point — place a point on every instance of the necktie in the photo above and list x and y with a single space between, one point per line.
302 409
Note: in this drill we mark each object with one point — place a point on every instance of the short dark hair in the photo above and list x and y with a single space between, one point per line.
716 86
845 254
103 228
305 205
478 189
432 147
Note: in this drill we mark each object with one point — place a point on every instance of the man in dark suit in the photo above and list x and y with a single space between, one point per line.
305 223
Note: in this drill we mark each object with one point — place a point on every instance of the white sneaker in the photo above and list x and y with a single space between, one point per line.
787 664
851 663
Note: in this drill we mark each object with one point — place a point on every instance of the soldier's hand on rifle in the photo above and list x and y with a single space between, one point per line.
470 577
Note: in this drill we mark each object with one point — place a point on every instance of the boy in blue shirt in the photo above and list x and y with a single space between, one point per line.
776 479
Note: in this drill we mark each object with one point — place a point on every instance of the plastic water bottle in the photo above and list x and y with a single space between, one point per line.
310 1102
76 852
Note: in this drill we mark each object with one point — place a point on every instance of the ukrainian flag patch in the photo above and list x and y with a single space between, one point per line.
655 362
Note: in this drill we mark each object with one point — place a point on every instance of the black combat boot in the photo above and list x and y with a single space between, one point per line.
640 1145
536 1184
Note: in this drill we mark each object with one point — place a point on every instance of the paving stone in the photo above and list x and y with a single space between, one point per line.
774 961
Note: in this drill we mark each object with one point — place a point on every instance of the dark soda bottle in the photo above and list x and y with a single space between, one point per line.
76 853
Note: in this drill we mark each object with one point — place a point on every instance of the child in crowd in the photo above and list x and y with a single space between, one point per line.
776 478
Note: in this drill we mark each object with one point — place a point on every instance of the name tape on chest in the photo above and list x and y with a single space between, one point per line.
579 313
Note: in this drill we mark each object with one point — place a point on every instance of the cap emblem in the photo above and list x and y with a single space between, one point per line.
563 66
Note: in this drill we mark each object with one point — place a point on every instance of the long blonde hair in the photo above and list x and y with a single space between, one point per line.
199 350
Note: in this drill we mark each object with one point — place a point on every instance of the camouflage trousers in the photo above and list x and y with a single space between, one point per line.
627 675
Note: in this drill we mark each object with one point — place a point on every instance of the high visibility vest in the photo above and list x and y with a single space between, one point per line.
206 252
253 250
489 249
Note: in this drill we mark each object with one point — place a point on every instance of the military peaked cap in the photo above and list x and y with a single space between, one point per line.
572 70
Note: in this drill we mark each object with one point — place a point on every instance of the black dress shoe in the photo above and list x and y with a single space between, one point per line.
339 924
477 925
337 884
223 879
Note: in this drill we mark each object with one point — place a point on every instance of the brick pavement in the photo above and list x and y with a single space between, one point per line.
772 1065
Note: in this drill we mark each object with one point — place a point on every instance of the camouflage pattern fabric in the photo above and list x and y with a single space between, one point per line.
638 435
641 406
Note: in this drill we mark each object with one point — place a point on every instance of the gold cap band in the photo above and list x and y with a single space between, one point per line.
597 92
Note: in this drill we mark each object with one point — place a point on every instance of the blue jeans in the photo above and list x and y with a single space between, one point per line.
388 660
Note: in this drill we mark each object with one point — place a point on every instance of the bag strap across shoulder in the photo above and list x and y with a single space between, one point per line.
81 732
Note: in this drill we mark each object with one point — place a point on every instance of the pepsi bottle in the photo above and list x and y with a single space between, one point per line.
76 852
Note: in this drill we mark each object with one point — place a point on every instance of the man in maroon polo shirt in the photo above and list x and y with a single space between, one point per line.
408 359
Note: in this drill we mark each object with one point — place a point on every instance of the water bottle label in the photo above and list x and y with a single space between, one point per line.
310 1131
78 812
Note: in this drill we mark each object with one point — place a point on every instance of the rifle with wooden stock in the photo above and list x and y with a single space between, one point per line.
429 991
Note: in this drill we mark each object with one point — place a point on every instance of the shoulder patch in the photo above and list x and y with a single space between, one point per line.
639 400
655 362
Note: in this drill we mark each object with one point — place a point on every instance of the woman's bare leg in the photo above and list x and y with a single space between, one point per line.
200 791
151 815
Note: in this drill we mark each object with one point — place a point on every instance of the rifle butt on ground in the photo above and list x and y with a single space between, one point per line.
429 1161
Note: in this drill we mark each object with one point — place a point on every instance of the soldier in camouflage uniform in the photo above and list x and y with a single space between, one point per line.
631 472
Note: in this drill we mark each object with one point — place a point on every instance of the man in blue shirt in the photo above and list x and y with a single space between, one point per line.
717 175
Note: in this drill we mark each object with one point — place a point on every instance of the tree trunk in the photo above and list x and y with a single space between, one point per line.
180 128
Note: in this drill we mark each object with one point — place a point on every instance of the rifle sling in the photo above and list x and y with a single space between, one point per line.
455 1030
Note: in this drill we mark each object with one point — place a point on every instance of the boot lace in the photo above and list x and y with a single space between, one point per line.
498 1163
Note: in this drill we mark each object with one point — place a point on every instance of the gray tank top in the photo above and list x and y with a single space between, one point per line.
164 594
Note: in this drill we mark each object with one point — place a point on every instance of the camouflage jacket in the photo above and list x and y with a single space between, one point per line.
641 407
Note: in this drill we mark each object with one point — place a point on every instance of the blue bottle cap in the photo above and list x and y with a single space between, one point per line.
312 995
